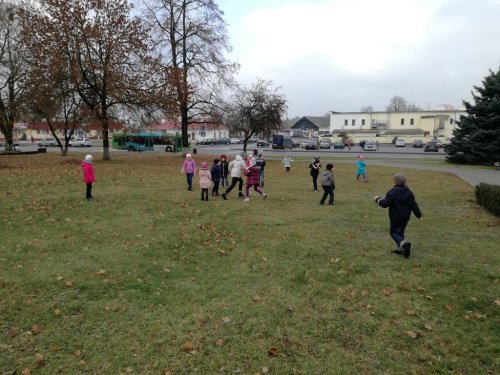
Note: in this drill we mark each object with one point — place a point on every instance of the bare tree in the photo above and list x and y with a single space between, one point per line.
256 110
12 69
191 40
400 104
368 108
104 48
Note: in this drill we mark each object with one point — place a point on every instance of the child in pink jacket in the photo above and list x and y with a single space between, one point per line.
253 179
205 180
189 168
88 175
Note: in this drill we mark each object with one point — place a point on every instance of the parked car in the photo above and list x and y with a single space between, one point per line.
48 142
310 145
431 146
400 142
262 143
370 146
223 141
80 142
234 141
325 143
339 145
418 143
206 141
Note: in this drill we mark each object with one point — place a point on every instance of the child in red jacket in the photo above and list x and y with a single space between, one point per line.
88 175
253 179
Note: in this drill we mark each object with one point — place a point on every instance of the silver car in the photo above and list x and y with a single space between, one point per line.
370 146
48 142
80 142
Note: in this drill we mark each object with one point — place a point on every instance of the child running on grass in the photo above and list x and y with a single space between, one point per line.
401 203
287 163
236 169
215 171
253 175
205 180
328 184
361 168
88 175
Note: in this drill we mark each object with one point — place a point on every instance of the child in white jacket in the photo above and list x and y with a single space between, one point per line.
236 169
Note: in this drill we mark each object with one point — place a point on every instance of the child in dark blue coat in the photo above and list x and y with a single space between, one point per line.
401 203
216 172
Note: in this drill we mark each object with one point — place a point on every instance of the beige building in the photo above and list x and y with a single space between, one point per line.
385 126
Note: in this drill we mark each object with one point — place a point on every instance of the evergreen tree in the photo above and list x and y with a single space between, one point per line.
477 136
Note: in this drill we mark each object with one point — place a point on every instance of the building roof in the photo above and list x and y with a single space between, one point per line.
317 122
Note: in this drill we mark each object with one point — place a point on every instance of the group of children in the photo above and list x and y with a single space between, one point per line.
399 199
218 174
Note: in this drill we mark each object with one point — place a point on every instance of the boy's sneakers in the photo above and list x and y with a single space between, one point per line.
224 195
406 248
246 199
398 251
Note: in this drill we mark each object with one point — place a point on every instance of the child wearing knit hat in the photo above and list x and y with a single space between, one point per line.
189 168
88 175
205 180
401 202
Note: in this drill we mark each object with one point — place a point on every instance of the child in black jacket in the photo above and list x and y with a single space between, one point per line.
401 203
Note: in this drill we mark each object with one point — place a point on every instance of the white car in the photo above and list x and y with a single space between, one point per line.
80 142
48 142
370 146
400 142
235 141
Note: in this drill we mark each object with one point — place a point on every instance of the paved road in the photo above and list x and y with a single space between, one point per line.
387 155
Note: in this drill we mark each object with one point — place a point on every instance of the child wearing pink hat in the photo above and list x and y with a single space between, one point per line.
361 168
205 180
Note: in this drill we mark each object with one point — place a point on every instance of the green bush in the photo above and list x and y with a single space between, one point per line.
488 196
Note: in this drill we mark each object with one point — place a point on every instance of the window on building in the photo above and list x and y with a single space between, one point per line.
402 121
346 122
412 121
353 122
363 122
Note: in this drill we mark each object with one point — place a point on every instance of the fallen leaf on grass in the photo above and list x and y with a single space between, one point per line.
273 352
219 343
265 370
257 298
497 302
409 312
78 353
101 272
386 292
38 359
480 316
427 326
36 329
450 308
429 297
11 334
420 289
411 334
226 319
68 283
59 278
56 312
187 346
111 308
26 371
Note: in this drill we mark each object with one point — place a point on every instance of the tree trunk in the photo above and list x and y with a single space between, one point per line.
184 127
9 142
105 138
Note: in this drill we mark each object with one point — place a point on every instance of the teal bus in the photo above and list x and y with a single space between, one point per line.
145 141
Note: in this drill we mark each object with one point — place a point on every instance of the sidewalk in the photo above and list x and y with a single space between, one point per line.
472 176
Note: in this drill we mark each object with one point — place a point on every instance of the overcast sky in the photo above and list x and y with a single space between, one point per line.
342 55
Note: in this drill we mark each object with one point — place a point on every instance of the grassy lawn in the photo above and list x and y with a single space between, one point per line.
149 279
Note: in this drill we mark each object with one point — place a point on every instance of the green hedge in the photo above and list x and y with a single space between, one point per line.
488 196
